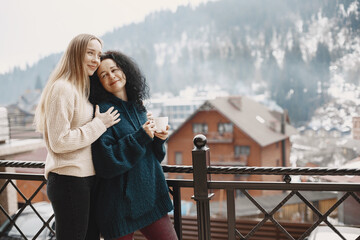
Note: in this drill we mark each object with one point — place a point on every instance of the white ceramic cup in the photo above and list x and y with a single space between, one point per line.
161 123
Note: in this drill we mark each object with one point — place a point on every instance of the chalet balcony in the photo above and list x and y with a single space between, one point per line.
217 137
229 160
249 216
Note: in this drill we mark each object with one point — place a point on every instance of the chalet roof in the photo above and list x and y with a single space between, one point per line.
253 118
29 100
355 163
269 202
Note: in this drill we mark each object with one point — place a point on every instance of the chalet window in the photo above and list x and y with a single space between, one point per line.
241 151
225 128
200 128
178 158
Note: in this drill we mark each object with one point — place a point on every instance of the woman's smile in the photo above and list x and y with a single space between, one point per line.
114 82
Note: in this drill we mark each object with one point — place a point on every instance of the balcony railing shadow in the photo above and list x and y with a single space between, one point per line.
202 186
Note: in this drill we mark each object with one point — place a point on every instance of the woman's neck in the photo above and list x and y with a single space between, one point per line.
122 95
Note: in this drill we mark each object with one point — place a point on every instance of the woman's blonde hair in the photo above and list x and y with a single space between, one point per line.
70 68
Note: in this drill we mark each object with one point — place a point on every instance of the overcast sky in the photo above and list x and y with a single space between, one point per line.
32 29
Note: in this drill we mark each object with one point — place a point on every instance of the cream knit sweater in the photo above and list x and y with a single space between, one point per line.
69 132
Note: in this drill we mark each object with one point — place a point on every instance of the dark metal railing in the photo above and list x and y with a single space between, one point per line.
201 183
202 196
9 180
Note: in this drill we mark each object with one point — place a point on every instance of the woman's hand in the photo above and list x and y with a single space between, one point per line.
150 116
109 118
163 134
149 128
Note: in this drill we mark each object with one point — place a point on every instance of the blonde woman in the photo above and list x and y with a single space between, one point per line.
65 117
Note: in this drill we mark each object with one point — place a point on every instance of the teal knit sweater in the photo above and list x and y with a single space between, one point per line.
131 188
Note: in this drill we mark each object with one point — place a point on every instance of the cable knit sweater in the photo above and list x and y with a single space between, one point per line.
131 188
70 131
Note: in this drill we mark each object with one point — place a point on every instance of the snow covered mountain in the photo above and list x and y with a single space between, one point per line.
292 52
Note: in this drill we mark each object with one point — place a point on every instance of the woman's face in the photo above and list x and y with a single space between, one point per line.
111 77
92 56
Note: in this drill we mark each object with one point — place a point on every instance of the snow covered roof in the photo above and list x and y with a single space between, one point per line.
260 123
255 119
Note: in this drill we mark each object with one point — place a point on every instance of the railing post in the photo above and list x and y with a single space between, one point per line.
200 161
177 211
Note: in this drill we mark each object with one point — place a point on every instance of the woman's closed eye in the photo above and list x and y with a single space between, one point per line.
91 52
103 76
116 70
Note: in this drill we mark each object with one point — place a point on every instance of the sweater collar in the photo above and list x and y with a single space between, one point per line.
127 105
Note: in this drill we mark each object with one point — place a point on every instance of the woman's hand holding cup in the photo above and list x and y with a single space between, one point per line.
149 128
161 127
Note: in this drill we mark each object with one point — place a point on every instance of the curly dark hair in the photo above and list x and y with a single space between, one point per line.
136 87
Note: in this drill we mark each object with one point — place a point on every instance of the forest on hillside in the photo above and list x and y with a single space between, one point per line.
291 51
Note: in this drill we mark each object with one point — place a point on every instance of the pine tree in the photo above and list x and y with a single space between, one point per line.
38 83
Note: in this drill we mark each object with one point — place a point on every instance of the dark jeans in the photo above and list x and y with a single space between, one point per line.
162 229
72 200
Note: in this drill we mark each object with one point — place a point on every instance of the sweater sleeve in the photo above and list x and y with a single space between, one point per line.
113 157
159 148
60 114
